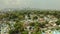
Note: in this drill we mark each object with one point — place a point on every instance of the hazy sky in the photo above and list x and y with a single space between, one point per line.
41 4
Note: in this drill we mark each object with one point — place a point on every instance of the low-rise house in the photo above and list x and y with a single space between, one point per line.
11 24
41 20
4 29
53 18
50 18
59 25
46 18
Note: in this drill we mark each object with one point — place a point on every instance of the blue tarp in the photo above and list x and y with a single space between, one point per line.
56 32
53 32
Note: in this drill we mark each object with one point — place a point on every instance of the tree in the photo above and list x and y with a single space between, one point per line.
18 28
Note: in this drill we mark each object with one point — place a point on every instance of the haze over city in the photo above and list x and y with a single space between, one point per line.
39 4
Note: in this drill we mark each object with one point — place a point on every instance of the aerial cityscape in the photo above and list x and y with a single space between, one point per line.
30 22
29 16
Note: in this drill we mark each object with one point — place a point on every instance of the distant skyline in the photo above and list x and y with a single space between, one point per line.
39 4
